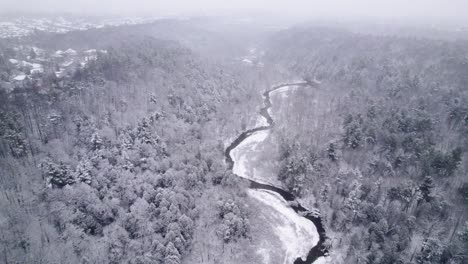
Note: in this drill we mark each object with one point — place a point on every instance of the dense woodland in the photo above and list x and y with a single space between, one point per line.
122 160
113 163
380 145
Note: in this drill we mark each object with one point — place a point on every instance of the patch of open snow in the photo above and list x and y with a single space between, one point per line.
322 260
245 153
13 61
240 154
247 61
67 63
261 121
37 70
297 234
90 51
37 66
37 50
71 52
283 91
20 77
91 58
265 255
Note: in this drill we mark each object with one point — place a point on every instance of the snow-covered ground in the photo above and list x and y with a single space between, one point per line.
283 91
24 26
297 234
246 155
323 260
261 121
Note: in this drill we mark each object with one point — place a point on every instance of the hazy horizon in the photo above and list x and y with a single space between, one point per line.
429 10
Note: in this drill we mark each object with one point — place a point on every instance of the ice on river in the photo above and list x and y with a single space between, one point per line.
297 234
245 156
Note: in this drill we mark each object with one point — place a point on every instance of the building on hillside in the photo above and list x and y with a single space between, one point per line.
71 52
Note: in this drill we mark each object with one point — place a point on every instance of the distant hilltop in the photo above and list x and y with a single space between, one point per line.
21 26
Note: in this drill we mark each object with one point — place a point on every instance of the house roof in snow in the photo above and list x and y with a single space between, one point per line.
90 51
70 52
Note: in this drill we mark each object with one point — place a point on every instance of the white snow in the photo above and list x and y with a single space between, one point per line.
90 51
36 70
60 73
322 260
20 77
67 63
13 61
71 52
248 61
261 121
317 81
297 234
91 58
18 27
26 64
36 65
245 153
283 91
38 51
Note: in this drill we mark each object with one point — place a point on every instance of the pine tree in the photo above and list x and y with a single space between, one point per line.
32 54
96 141
353 131
331 152
57 175
83 171
426 188
172 255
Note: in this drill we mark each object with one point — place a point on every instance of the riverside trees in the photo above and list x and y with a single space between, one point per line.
395 193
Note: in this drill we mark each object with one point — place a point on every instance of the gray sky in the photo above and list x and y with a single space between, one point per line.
445 9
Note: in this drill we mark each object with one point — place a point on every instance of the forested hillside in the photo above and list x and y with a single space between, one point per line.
113 162
380 147
211 140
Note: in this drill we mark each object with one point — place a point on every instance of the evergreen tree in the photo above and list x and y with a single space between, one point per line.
57 175
426 188
172 255
331 152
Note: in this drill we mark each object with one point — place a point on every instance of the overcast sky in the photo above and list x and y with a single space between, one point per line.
445 9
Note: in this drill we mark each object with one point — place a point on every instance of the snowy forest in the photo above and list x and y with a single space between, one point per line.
210 140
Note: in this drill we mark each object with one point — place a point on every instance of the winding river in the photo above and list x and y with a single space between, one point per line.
319 250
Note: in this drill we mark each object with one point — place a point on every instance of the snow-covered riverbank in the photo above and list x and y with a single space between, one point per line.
296 233
247 154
